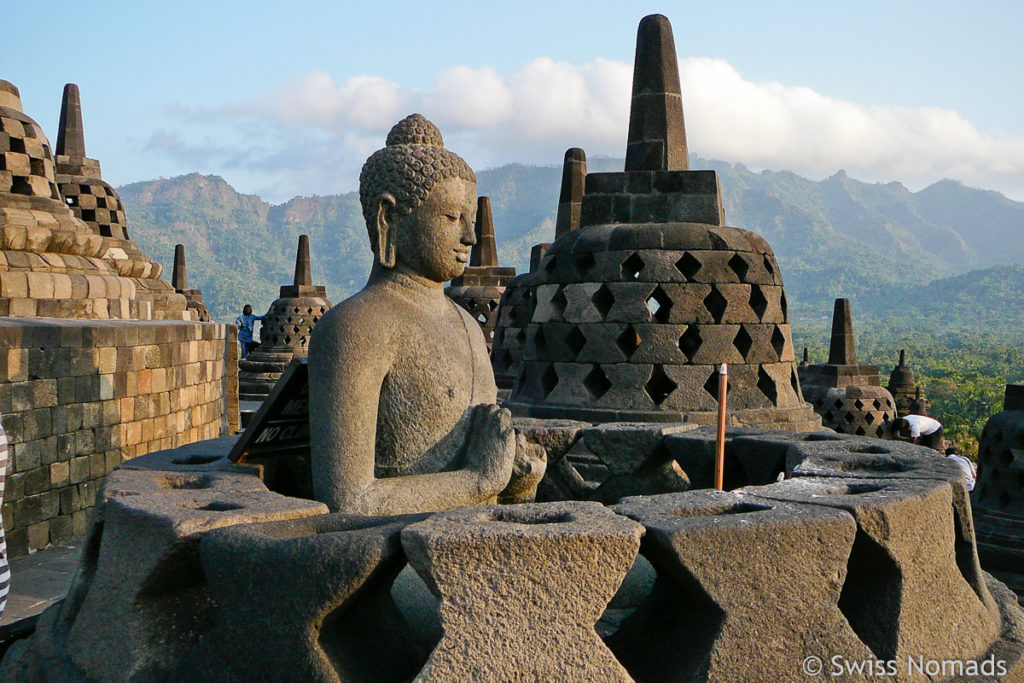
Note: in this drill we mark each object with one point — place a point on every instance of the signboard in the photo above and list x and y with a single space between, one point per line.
278 436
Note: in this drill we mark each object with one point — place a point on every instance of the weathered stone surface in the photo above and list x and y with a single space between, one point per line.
141 600
520 570
653 290
904 593
415 394
335 622
999 493
728 567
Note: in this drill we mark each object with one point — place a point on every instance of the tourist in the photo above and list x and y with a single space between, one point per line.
245 323
970 473
919 429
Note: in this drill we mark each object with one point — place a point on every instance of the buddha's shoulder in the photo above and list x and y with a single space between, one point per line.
364 316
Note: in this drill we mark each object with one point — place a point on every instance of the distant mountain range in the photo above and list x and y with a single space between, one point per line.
949 254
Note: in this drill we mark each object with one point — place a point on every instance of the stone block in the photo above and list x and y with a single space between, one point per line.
701 544
540 576
150 543
38 535
905 593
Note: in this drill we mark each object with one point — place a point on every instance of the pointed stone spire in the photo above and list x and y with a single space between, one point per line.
657 136
574 173
302 282
903 358
70 134
485 251
807 357
841 350
303 267
179 278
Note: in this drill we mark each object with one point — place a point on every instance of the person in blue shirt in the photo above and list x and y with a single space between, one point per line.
245 323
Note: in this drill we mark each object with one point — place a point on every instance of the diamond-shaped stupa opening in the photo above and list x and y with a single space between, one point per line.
659 304
597 383
660 386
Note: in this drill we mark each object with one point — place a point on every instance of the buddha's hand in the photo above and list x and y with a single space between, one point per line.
527 471
491 451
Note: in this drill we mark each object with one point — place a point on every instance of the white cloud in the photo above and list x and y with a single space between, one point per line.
533 114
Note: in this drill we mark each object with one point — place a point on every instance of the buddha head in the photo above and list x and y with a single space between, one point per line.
419 202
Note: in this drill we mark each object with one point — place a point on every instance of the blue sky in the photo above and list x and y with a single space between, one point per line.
288 98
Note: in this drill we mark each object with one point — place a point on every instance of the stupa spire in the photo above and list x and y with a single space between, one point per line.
70 133
303 268
179 278
841 349
485 251
657 136
570 198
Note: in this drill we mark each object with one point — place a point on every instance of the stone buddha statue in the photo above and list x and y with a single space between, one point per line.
402 396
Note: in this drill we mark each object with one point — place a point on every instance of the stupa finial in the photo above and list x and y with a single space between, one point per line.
657 136
303 269
485 251
570 199
70 133
179 278
841 349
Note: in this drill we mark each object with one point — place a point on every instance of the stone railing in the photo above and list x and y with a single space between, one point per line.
862 551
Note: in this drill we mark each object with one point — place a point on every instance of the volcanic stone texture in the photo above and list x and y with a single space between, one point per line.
632 321
999 493
866 548
79 397
509 567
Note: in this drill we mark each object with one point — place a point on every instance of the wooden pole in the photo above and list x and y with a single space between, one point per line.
723 389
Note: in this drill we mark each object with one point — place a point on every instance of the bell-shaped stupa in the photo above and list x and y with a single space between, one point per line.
849 397
998 497
285 331
520 297
480 286
179 280
54 262
643 302
908 396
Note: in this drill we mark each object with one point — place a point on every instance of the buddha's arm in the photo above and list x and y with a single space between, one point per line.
344 394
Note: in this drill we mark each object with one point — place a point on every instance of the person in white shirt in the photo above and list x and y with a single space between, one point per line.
919 429
970 472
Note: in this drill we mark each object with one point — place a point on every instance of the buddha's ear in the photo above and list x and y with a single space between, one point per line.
386 230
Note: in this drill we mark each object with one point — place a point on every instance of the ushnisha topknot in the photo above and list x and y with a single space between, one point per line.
410 165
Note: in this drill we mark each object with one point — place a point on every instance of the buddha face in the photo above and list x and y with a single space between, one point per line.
434 240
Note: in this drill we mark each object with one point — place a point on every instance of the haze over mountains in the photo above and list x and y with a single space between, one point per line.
950 254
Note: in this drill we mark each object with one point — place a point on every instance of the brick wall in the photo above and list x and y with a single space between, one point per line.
79 396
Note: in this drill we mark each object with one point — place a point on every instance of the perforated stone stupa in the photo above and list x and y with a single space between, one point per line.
179 280
61 255
905 392
286 330
849 397
481 285
999 494
640 306
520 296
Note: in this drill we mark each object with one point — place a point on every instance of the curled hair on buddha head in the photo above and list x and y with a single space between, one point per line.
411 164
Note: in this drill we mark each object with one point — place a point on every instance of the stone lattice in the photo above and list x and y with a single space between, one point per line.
52 263
640 306
285 331
999 493
520 297
479 288
871 544
848 397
